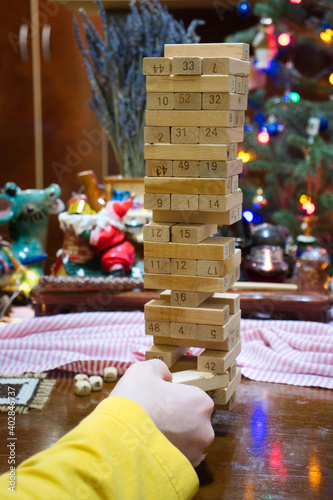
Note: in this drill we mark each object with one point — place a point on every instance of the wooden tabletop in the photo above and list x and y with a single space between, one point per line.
277 442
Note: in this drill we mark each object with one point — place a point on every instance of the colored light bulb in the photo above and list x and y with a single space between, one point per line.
263 137
284 39
294 96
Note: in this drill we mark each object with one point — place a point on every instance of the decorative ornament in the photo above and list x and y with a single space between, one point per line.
272 125
272 129
323 124
264 44
313 125
259 200
330 78
296 1
243 10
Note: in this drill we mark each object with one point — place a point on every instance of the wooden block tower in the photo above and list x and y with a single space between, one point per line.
196 101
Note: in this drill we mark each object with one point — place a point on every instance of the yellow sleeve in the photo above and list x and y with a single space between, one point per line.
116 452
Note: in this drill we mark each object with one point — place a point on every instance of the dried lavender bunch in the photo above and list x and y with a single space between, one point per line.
114 67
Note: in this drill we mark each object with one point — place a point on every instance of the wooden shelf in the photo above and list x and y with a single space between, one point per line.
89 6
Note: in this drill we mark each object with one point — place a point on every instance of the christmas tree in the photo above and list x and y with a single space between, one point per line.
288 148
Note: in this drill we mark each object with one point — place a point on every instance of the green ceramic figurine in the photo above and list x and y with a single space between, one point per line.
26 212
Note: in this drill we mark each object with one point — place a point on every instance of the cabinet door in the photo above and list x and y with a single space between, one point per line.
16 96
72 137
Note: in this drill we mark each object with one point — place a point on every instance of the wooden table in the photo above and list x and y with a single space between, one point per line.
277 442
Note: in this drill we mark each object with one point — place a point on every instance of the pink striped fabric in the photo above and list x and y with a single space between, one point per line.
290 352
287 352
82 342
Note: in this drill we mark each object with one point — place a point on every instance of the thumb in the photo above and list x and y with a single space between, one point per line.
161 369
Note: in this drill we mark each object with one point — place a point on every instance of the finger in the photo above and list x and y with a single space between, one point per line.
161 369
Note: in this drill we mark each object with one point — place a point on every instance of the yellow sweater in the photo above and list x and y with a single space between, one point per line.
116 452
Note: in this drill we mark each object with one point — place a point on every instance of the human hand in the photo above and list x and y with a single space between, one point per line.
181 412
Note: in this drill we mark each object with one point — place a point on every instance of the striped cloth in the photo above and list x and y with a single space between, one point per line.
290 352
287 352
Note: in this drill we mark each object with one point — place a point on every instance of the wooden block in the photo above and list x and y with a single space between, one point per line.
218 333
245 85
233 261
190 283
205 381
190 151
160 328
192 233
184 135
187 299
159 168
230 404
110 374
219 135
157 231
200 118
224 101
154 201
222 396
186 331
206 344
232 371
157 134
217 361
239 85
236 50
234 276
219 203
214 247
216 364
220 83
186 362
182 298
220 218
186 65
82 388
158 100
157 265
225 345
96 383
217 169
239 118
234 183
212 268
187 100
161 310
237 334
187 267
232 299
168 354
185 168
225 66
156 66
184 202
188 186
232 246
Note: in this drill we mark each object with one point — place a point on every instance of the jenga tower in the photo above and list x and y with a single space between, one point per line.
196 102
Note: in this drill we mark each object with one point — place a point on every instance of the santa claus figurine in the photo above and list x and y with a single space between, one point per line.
108 237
